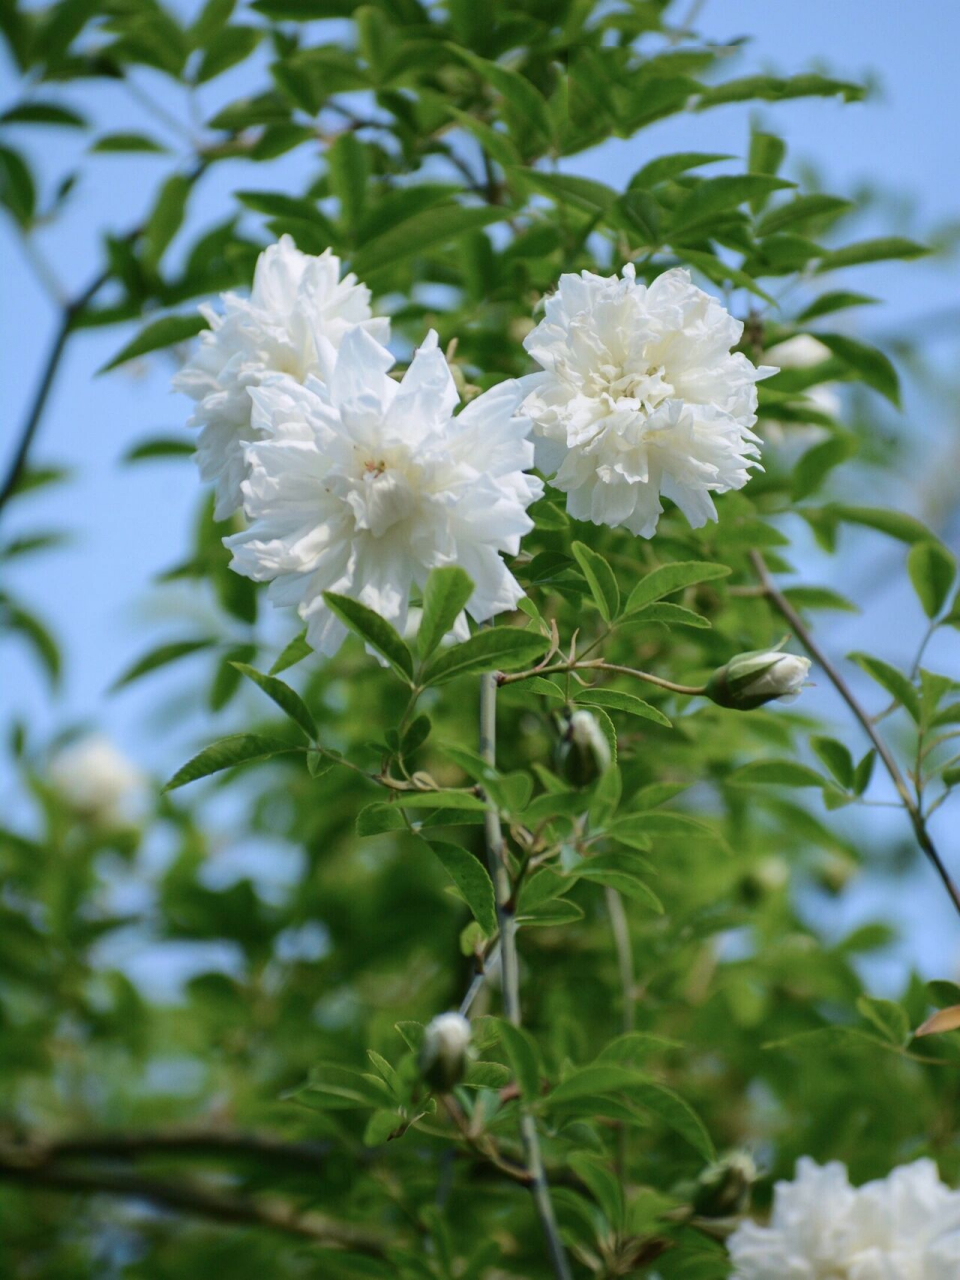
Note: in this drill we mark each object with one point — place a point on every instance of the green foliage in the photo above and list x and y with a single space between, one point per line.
675 999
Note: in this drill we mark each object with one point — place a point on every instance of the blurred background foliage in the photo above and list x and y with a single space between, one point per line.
231 1125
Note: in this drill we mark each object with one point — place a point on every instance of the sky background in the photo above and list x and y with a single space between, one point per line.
129 522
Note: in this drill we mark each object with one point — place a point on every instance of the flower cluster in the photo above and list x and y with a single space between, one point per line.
356 483
96 782
640 397
903 1227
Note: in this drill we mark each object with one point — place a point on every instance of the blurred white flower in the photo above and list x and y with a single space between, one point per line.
97 782
641 396
366 484
444 1052
294 320
903 1227
802 351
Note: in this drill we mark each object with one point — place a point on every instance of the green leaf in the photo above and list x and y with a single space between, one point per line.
166 217
785 773
816 464
932 571
872 365
159 447
837 300
161 656
618 700
423 233
677 1113
714 196
601 580
778 89
819 598
525 100
232 45
292 653
668 578
238 748
383 1123
880 250
470 876
612 870
374 631
800 210
126 142
17 188
836 757
566 188
890 1019
605 1187
376 818
348 171
599 1078
156 336
287 699
671 166
894 681
493 649
893 523
444 597
36 112
524 1059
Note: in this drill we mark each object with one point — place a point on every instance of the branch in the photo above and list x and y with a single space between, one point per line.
509 968
129 1144
197 1200
598 664
914 812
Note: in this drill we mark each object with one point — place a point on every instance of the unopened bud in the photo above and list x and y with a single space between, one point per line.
444 1053
723 1188
751 679
582 753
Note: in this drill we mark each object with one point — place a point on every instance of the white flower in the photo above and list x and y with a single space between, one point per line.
640 396
802 351
96 781
751 679
297 314
903 1227
444 1052
366 484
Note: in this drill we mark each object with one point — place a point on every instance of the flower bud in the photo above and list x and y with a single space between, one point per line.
751 679
582 753
723 1188
445 1051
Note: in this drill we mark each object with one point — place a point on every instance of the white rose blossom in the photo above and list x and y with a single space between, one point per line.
902 1227
802 351
97 782
297 314
640 396
361 485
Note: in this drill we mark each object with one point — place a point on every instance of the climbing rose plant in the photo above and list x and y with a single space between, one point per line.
523 458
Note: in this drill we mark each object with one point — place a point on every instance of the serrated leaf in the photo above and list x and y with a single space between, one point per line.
471 878
444 597
668 578
493 649
287 699
600 579
374 631
238 748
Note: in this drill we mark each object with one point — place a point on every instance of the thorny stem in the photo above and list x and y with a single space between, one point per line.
914 812
511 980
598 664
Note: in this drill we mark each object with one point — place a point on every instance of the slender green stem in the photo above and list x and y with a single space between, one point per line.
598 664
510 973
915 814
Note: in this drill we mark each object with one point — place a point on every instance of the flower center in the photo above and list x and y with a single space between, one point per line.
647 389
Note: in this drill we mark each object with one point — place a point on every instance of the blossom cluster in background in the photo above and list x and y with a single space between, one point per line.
354 483
902 1227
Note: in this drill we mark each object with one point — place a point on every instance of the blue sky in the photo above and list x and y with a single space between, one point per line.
129 522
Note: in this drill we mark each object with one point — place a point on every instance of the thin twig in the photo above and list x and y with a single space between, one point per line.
598 664
799 628
130 1143
509 969
197 1200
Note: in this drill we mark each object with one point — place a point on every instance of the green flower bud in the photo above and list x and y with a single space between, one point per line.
723 1188
751 679
445 1052
582 753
